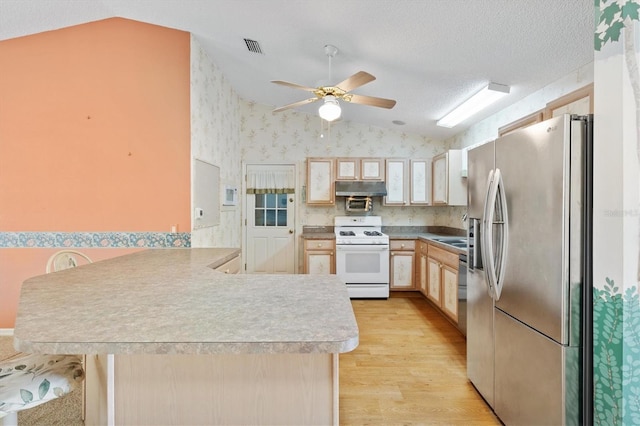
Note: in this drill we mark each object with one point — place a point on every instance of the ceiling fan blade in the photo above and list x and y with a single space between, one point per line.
370 100
358 79
293 85
296 104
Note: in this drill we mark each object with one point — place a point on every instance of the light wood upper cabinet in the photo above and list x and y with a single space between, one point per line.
397 180
527 121
319 257
577 102
320 181
401 265
420 182
449 188
360 169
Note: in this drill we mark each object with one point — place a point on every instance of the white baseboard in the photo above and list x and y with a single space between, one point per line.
6 331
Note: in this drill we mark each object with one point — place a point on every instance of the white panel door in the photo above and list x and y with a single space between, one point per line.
270 234
270 231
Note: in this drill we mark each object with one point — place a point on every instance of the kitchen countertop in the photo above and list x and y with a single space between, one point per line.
424 233
171 301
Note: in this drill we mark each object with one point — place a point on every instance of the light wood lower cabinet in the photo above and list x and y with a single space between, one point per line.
442 285
401 264
319 257
232 266
422 277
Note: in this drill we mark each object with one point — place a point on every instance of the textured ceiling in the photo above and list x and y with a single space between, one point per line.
429 55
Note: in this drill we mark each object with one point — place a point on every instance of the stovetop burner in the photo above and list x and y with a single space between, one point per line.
347 234
373 233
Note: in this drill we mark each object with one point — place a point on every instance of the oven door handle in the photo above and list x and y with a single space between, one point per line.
358 247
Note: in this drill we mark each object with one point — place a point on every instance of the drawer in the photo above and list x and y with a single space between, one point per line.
409 245
230 267
444 256
319 244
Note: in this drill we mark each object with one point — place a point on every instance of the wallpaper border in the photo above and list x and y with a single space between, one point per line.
94 239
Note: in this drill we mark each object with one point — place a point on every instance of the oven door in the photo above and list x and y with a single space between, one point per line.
363 264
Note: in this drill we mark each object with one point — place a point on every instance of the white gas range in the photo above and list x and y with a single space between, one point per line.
362 256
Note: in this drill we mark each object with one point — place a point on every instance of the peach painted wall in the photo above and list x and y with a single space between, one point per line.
94 137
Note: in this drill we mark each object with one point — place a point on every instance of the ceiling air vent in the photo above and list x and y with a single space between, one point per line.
253 46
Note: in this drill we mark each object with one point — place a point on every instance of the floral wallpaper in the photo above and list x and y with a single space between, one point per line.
292 136
487 129
215 120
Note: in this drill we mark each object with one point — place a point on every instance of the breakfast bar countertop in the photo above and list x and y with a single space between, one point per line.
171 301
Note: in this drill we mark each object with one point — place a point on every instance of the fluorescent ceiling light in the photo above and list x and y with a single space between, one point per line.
330 109
474 104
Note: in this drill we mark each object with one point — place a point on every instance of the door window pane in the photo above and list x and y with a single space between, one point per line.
270 209
271 217
271 200
259 215
282 218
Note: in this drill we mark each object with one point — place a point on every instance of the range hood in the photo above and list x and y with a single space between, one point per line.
360 189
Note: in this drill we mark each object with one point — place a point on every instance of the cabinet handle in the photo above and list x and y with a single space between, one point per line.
393 254
402 245
319 244
331 254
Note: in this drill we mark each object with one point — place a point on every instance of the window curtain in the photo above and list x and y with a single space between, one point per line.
270 182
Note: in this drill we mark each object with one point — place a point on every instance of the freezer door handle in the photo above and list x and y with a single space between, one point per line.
501 219
485 237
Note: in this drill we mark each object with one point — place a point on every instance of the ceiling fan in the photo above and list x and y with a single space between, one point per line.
330 110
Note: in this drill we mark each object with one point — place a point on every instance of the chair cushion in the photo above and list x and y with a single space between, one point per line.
30 380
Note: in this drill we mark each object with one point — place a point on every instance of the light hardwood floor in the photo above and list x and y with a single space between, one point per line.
409 368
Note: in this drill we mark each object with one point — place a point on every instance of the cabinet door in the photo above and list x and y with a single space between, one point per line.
450 292
371 169
420 190
423 281
440 179
401 270
347 168
320 181
396 179
320 262
232 266
434 281
577 102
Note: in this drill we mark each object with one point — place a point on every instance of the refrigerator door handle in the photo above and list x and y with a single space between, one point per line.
494 221
503 223
486 236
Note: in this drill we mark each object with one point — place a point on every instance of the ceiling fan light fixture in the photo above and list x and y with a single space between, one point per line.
330 110
474 104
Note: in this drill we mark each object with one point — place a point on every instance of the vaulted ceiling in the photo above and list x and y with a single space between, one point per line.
428 55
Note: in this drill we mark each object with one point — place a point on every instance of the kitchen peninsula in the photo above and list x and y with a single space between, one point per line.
171 341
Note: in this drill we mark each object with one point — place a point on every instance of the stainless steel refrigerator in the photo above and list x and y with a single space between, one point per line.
529 279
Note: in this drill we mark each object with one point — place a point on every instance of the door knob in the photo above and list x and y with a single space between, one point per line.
291 231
